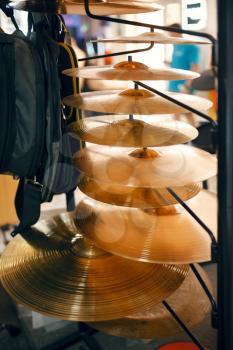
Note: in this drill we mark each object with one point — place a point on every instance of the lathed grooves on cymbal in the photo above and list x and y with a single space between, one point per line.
133 132
134 101
74 280
130 71
163 235
97 7
189 302
160 37
137 197
173 166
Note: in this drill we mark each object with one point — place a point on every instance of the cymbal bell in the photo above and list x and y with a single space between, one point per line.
189 302
138 197
160 37
74 280
153 167
167 235
132 132
98 7
130 71
134 101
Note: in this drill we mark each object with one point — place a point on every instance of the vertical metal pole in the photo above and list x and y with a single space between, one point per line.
225 183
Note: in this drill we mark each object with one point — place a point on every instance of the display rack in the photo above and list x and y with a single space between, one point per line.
222 252
214 245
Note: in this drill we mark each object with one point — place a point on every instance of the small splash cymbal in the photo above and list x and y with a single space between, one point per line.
138 197
189 302
134 101
160 37
132 132
161 235
98 7
73 280
130 71
153 167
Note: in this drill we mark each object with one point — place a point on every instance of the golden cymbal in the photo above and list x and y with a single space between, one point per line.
132 132
153 167
161 235
98 7
189 302
138 197
133 101
160 37
74 280
130 71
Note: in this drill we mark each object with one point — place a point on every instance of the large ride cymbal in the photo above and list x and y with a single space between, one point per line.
152 167
189 302
160 37
161 235
145 132
130 71
98 7
134 101
138 197
74 280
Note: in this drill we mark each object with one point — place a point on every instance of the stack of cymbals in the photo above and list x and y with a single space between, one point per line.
128 245
97 7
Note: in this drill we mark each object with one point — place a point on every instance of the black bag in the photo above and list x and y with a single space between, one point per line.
34 145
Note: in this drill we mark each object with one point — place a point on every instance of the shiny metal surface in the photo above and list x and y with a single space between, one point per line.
98 7
133 101
137 132
189 302
163 235
159 37
150 168
130 71
60 273
138 197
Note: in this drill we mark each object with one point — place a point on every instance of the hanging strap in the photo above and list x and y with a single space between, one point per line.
27 204
9 12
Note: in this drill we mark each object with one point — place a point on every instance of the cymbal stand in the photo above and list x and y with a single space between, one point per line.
214 126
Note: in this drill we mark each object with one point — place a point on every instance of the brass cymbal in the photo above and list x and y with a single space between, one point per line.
160 37
130 71
189 302
132 132
133 101
74 280
153 167
138 197
161 235
98 7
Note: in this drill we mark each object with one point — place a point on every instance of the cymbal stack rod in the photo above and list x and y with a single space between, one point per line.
179 103
209 295
183 326
153 26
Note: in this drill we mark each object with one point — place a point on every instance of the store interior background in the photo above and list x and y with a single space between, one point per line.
37 330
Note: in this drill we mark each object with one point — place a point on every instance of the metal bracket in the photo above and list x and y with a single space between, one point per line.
146 25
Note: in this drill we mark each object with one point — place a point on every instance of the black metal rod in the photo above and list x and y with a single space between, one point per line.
191 212
225 179
181 104
183 326
204 287
154 26
114 54
146 25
